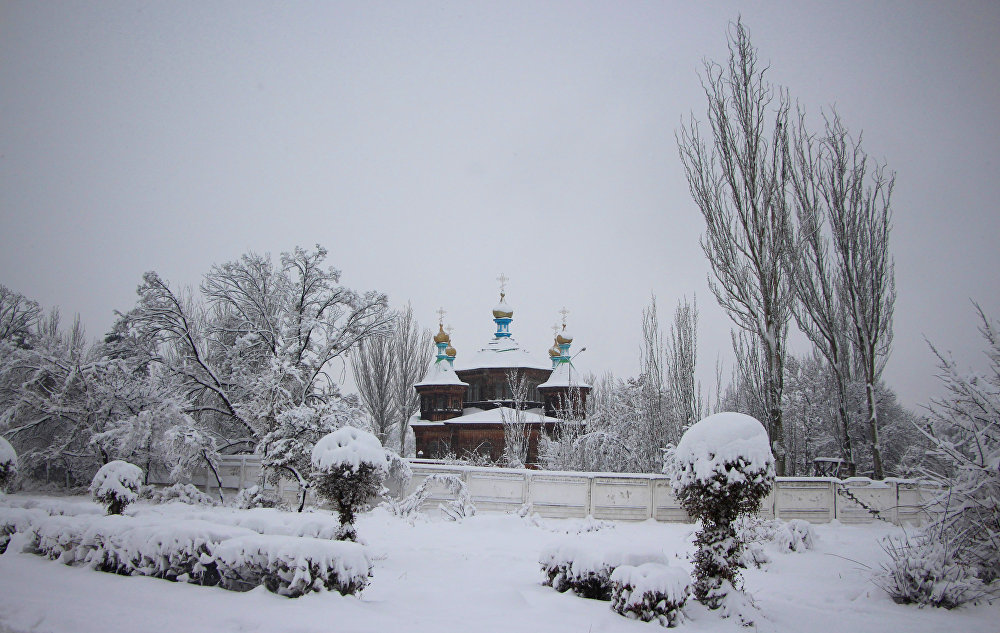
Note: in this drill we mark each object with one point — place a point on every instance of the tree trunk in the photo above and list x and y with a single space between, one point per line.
873 428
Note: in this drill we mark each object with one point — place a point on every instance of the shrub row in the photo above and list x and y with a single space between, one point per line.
639 584
587 571
201 552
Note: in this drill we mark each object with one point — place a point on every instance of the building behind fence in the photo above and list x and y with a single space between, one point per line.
627 497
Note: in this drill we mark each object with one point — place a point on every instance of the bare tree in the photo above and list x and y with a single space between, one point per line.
656 396
516 432
858 196
373 369
412 353
817 279
739 182
18 316
682 355
385 370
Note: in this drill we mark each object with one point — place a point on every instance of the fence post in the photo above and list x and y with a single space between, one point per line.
590 495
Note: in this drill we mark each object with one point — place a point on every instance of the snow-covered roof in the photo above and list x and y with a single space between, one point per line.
479 416
564 375
440 373
503 352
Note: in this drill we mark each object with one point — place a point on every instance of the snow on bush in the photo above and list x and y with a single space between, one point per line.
399 474
722 468
183 493
587 570
650 591
116 485
197 551
292 566
349 466
454 509
59 537
8 464
794 535
964 460
257 497
13 520
926 570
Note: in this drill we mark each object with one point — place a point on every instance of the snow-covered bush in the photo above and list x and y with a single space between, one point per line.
399 474
349 466
964 435
116 485
722 468
454 509
587 570
650 592
925 570
794 535
58 537
292 566
13 520
184 493
258 497
8 464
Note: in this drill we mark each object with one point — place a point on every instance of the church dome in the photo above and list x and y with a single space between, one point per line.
502 310
450 351
564 337
554 351
442 336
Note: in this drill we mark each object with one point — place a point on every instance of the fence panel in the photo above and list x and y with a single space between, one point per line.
621 498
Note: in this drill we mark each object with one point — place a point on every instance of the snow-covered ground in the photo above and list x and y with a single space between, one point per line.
481 574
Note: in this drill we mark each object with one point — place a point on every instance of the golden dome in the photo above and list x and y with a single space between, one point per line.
502 310
554 351
450 351
564 336
442 336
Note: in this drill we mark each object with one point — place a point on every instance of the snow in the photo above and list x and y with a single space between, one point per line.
499 414
564 375
118 479
348 446
501 353
441 372
479 574
724 438
671 582
7 454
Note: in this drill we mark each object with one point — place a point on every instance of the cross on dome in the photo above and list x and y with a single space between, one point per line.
564 312
503 279
441 312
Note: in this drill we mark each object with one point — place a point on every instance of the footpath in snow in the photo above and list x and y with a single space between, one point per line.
480 574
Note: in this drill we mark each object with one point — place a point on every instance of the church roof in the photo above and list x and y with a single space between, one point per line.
565 375
503 352
497 415
440 373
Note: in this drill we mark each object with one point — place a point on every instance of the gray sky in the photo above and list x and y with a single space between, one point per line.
430 146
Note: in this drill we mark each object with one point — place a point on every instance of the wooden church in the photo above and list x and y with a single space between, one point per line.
463 406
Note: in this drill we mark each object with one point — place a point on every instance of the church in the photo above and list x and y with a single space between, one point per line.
463 406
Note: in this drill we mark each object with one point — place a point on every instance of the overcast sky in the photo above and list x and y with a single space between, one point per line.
431 146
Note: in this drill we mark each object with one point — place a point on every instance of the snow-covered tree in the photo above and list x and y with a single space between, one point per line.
116 485
738 179
8 464
288 448
721 469
349 466
18 317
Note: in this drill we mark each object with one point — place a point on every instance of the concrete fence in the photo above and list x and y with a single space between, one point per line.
627 497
